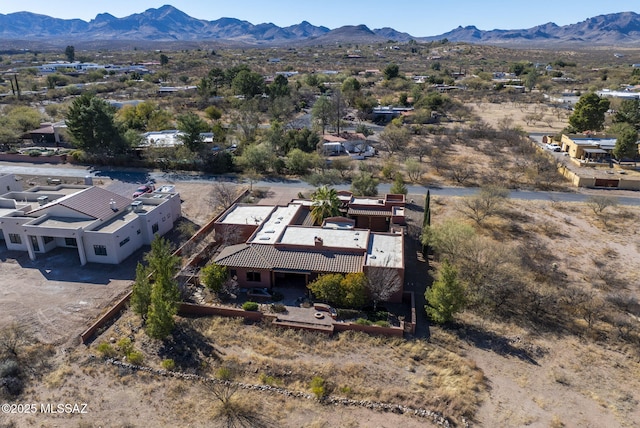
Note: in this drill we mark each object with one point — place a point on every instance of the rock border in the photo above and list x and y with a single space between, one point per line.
435 417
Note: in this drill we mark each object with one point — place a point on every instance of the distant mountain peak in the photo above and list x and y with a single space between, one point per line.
168 23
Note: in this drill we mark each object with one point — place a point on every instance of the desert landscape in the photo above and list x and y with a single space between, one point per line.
537 320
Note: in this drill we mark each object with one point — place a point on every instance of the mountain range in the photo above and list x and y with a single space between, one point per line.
168 24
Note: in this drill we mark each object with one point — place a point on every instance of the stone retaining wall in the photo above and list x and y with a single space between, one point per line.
15 157
435 417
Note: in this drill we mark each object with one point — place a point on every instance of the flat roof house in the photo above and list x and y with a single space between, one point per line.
103 226
585 148
280 244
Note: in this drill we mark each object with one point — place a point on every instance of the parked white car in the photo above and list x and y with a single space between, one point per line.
553 147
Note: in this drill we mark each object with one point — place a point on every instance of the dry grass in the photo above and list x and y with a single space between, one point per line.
354 365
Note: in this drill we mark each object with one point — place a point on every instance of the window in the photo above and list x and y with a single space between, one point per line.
124 241
233 274
47 239
15 238
100 250
154 228
70 242
253 276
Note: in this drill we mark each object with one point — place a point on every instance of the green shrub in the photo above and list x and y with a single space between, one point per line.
78 156
135 357
106 350
348 314
250 306
378 316
265 379
346 391
125 345
168 364
34 153
278 308
224 373
382 323
363 321
318 387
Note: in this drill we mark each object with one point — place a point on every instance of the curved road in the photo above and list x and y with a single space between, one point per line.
143 176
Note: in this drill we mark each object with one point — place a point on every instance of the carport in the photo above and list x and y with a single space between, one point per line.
595 155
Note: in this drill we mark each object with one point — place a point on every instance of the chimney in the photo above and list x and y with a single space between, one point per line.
317 241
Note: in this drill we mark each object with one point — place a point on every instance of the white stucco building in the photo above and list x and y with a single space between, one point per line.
103 226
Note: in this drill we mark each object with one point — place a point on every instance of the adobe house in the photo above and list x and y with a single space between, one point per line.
286 248
377 214
587 148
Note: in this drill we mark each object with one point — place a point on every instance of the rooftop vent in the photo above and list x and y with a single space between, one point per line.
317 241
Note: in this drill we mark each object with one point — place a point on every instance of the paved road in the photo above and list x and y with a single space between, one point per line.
143 176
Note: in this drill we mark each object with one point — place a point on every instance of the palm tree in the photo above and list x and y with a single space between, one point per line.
325 204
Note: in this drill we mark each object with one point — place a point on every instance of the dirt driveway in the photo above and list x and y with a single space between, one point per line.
54 297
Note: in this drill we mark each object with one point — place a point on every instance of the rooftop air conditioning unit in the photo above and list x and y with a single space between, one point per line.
136 206
43 200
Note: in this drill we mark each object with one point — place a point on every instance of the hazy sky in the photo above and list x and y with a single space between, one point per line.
416 17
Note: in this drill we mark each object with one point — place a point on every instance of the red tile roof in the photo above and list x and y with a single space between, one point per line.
260 256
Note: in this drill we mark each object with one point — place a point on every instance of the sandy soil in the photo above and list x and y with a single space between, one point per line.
532 118
571 381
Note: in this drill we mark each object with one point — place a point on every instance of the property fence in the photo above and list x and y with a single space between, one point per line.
105 318
15 157
410 326
203 310
119 305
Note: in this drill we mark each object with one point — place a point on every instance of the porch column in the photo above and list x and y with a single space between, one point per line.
32 253
80 242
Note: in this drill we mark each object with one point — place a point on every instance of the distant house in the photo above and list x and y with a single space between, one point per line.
103 227
353 144
48 134
385 114
279 244
168 90
169 138
606 93
587 148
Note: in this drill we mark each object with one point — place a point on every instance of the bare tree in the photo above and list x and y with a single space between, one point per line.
414 170
394 138
422 148
222 194
383 282
599 204
232 411
12 338
228 236
461 170
488 202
